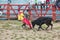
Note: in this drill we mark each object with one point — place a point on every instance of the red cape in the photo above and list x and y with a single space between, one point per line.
26 21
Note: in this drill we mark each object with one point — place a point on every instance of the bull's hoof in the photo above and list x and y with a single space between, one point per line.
42 29
38 30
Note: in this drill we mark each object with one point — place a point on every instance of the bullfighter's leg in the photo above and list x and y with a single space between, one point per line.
24 25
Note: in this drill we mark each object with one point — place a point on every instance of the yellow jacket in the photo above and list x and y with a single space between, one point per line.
20 16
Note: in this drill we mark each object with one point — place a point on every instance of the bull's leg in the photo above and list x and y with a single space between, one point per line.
33 25
40 27
47 27
51 26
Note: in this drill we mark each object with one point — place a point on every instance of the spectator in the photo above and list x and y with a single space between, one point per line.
57 2
36 4
42 3
31 2
47 2
9 1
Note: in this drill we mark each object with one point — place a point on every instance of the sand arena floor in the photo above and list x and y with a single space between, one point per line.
12 30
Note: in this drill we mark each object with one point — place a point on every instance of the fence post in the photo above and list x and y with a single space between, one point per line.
41 12
8 11
53 12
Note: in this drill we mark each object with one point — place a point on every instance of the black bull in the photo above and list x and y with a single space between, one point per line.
42 20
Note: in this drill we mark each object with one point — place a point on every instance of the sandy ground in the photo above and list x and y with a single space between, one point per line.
12 30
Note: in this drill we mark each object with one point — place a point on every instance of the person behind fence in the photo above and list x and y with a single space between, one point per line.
36 4
42 3
24 20
57 3
47 2
31 2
